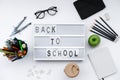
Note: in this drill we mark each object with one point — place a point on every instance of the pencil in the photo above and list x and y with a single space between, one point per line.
105 27
102 32
106 31
101 35
108 26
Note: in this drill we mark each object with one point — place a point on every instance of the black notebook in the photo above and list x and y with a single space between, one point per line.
86 8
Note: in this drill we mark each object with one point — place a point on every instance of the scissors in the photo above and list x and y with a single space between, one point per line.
16 30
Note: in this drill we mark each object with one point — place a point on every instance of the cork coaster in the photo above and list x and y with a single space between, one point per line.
71 70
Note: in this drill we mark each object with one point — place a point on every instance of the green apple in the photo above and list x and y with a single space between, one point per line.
94 40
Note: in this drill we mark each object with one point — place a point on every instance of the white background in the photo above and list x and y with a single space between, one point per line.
13 11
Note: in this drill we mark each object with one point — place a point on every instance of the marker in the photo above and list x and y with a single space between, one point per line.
20 45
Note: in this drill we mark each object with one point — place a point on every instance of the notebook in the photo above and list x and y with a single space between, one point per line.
102 62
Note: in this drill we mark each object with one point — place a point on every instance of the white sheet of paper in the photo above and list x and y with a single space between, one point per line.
102 62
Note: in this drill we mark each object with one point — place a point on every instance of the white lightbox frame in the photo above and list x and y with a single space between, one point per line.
75 32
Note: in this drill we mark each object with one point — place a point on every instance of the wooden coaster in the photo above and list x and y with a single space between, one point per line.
71 70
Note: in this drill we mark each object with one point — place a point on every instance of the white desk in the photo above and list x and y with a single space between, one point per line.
12 11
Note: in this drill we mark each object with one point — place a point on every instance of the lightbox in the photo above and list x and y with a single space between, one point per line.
59 42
